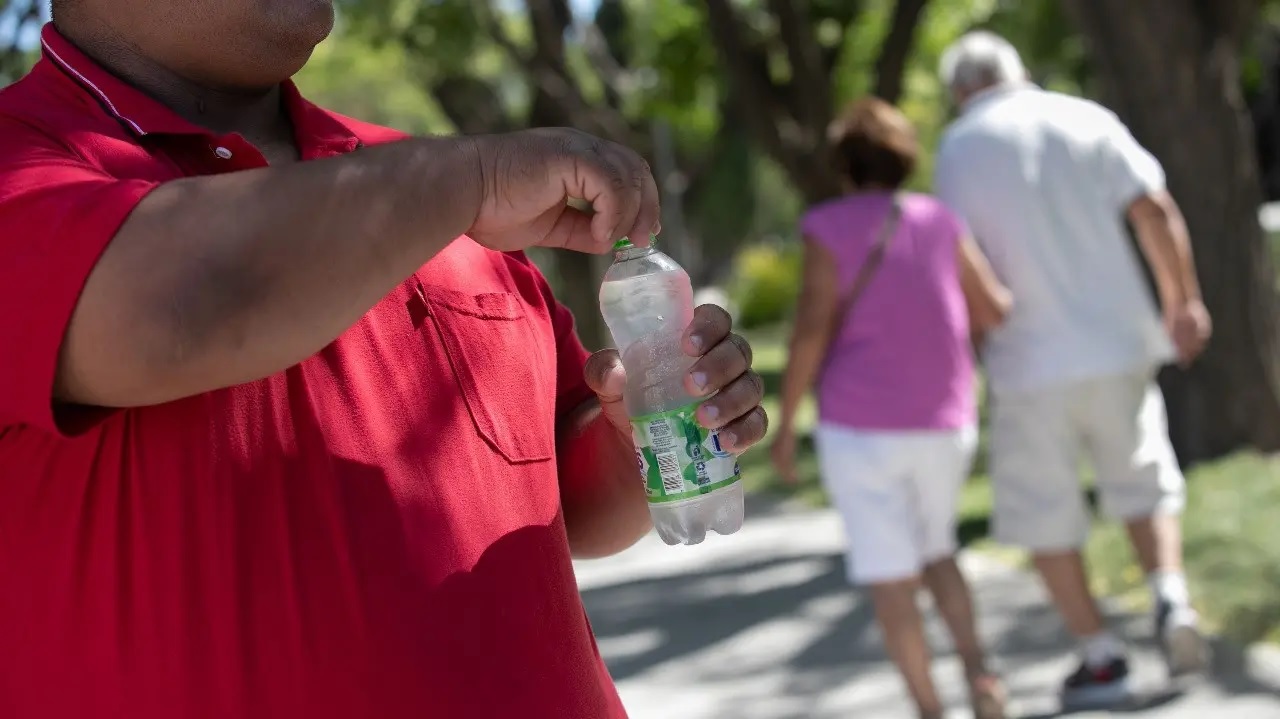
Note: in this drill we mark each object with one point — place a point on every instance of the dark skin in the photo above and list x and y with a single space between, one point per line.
165 314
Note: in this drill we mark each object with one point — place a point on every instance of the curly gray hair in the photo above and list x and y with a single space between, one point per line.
978 60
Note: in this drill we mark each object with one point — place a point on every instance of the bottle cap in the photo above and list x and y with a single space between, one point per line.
626 243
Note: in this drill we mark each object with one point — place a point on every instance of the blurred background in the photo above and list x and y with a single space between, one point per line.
730 101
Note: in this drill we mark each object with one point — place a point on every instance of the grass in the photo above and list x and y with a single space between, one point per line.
1232 524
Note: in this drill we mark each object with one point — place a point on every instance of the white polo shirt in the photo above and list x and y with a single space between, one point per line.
1044 181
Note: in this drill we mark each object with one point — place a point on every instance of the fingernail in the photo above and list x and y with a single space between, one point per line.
700 380
711 412
696 341
728 438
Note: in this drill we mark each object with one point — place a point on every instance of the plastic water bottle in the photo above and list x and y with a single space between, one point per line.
691 482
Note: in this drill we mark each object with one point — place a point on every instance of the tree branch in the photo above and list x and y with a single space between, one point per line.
895 50
750 81
810 90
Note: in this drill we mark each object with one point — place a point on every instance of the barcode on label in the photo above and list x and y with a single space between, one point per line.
669 469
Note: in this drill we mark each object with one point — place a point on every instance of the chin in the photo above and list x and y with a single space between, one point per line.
303 23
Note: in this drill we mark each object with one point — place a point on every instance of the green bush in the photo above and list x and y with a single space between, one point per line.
765 282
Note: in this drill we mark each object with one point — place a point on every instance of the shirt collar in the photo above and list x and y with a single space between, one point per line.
315 128
986 94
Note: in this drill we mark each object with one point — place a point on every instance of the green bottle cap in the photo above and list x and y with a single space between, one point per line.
625 243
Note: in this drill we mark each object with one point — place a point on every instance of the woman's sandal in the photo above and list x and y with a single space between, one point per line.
988 698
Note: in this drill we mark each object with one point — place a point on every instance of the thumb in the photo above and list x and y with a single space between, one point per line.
605 376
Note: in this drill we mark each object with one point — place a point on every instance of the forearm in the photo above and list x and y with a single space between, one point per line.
807 350
219 280
601 492
1163 237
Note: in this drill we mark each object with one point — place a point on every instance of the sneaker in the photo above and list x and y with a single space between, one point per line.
1185 649
1097 687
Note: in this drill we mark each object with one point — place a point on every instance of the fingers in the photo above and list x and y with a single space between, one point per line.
620 187
649 218
604 375
724 363
710 326
741 434
736 412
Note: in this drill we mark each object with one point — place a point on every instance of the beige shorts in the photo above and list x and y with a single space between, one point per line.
1039 437
896 493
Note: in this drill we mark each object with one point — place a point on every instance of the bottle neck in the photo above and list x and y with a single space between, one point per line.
632 252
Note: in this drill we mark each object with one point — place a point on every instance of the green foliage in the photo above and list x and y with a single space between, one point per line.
374 83
19 26
766 281
1231 543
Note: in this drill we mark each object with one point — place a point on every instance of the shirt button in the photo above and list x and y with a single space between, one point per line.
222 153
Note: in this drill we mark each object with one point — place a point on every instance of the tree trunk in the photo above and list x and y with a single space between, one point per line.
1170 68
895 51
789 121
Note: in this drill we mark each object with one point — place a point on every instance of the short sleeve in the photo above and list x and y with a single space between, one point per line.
950 224
814 227
57 215
1129 171
947 182
571 356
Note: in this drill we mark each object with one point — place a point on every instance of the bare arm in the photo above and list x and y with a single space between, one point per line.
1162 235
604 504
214 281
987 298
819 296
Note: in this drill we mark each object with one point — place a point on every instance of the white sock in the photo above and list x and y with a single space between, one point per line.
1099 649
1170 586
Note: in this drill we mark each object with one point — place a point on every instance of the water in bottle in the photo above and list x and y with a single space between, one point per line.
691 482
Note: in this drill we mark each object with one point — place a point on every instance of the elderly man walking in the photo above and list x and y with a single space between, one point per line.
1046 182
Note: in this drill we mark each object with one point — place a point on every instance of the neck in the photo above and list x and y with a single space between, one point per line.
251 112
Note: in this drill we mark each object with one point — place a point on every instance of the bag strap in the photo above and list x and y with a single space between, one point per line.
875 258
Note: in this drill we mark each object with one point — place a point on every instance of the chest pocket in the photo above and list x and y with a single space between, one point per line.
501 369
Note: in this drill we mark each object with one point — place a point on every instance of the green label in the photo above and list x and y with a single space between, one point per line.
679 458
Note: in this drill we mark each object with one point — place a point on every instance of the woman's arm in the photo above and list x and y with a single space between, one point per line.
989 301
819 296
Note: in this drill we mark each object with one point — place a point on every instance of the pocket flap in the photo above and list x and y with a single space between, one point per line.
485 306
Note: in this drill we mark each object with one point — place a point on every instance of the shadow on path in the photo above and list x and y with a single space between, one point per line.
793 626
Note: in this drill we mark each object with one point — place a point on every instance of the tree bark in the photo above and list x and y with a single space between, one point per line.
1170 68
789 123
797 143
895 51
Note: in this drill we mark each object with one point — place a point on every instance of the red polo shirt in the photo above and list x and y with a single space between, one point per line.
374 533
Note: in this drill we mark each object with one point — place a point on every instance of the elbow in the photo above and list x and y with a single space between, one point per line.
991 314
1154 210
152 346
1001 306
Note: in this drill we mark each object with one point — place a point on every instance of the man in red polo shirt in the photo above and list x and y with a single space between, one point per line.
276 438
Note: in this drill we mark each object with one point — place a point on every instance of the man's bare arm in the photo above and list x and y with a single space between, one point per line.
1162 235
215 281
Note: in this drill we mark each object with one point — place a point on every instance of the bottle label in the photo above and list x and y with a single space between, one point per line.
679 458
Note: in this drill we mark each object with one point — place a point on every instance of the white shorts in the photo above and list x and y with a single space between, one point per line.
1037 439
897 494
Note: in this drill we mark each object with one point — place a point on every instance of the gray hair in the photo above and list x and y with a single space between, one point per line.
978 60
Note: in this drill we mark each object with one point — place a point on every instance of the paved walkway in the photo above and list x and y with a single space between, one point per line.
760 625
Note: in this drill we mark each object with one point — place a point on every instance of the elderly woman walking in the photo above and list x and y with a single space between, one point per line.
894 291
